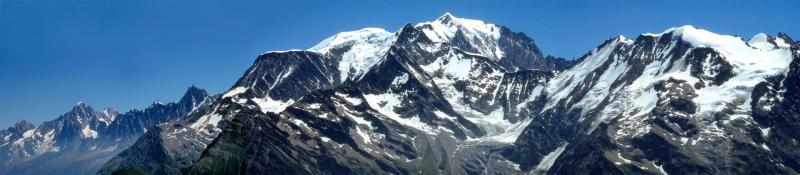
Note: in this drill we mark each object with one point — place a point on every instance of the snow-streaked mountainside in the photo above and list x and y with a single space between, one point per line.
685 101
83 139
463 96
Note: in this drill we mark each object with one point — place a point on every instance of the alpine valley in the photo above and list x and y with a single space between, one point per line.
455 96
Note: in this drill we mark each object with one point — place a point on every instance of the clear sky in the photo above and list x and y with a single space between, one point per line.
129 53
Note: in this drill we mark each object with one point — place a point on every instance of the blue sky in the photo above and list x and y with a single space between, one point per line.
129 53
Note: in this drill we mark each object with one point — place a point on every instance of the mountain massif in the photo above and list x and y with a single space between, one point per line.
459 96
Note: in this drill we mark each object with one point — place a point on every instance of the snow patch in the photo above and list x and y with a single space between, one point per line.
28 133
624 160
267 104
325 139
351 100
660 168
442 115
364 136
765 147
386 103
25 136
765 131
234 92
548 160
87 132
211 119
361 121
46 145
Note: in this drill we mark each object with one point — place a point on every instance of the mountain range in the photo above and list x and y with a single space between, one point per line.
83 139
456 96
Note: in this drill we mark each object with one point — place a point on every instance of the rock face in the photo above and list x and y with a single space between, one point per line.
82 140
461 96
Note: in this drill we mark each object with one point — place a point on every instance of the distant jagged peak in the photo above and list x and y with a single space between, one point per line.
110 110
23 125
109 115
194 95
193 88
81 104
81 108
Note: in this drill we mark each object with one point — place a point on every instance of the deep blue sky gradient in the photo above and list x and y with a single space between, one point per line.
129 53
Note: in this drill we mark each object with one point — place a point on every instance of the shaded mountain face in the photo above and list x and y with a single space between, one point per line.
461 96
83 139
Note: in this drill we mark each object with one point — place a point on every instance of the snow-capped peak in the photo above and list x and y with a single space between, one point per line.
765 42
23 124
362 35
82 108
447 18
446 26
109 115
624 39
446 15
674 30
761 41
481 35
759 37
700 37
363 49
80 104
